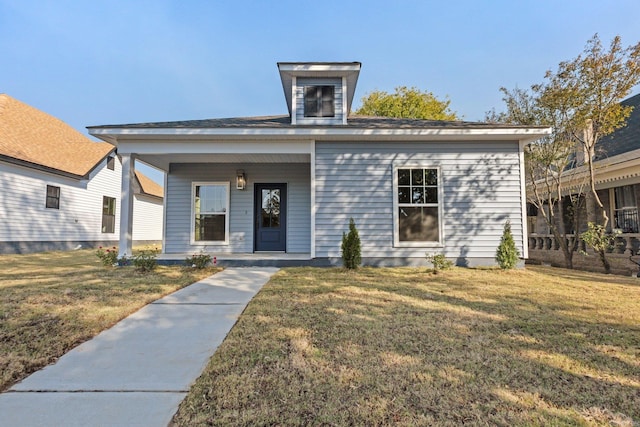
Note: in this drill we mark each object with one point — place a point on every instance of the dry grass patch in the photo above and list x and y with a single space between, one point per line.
404 347
51 302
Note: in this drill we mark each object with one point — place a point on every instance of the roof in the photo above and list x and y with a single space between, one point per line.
626 138
34 138
284 122
149 187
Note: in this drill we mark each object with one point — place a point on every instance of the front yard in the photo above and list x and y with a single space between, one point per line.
51 302
404 347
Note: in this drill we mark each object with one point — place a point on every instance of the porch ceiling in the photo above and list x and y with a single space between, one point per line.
162 161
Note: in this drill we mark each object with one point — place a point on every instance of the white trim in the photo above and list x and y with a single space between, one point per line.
523 198
396 238
192 237
294 103
250 135
164 212
314 208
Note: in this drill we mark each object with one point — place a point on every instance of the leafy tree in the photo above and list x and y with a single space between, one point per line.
582 101
351 249
406 103
545 161
507 254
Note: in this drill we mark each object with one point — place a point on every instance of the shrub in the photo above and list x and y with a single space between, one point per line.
145 260
439 262
600 241
351 257
507 254
198 261
108 257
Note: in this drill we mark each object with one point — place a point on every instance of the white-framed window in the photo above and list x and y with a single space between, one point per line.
319 101
625 209
417 206
210 213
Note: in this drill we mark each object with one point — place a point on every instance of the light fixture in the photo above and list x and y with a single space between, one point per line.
241 180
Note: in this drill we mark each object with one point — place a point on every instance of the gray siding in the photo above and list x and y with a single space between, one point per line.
481 189
299 99
178 198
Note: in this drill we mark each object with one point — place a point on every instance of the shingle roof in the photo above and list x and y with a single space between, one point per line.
148 186
34 137
284 121
626 138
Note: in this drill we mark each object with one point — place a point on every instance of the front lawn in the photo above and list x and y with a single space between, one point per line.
401 346
51 302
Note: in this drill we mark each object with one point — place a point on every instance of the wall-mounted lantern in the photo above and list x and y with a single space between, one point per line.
241 180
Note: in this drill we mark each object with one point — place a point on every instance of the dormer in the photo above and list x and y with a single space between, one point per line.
319 93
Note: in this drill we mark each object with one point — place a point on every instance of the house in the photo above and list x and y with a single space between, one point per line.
278 188
617 172
61 190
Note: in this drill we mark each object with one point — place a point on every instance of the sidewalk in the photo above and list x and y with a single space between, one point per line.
137 372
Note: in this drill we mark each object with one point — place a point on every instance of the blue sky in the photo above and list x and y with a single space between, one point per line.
109 62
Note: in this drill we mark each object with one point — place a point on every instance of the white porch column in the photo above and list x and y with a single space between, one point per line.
126 204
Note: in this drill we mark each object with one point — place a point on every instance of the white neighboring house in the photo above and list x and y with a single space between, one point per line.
60 190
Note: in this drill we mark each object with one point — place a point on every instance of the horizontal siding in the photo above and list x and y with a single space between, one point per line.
181 176
24 217
481 188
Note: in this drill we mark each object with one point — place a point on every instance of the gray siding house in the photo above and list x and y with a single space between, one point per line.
284 187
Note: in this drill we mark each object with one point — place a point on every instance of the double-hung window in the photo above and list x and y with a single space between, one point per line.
108 214
210 219
417 206
319 101
626 209
53 197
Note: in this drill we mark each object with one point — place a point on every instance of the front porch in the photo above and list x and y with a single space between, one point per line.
259 259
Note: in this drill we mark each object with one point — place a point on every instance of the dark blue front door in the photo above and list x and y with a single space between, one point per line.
270 203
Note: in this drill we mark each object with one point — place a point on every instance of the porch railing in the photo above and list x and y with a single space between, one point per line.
625 243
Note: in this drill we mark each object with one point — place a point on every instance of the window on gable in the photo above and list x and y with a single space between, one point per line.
53 197
111 163
108 214
319 101
210 212
418 208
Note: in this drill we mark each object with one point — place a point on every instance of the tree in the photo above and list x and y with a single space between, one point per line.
406 103
546 164
507 254
582 101
351 249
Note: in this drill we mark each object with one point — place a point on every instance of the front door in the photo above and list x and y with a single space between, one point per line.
270 203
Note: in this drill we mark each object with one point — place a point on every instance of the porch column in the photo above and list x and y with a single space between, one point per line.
126 205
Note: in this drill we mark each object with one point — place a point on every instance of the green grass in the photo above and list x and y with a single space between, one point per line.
51 302
405 347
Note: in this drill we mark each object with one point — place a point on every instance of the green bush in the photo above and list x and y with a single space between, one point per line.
145 260
199 261
507 254
108 257
351 258
439 262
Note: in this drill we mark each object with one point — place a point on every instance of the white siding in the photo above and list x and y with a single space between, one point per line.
481 187
25 217
178 196
299 100
147 218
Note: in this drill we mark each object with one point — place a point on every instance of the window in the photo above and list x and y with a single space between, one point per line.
417 207
626 209
53 197
210 212
111 163
319 101
108 214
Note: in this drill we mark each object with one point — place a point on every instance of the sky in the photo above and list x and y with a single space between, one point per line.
114 62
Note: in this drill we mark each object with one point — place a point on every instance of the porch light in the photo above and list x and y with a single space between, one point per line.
241 180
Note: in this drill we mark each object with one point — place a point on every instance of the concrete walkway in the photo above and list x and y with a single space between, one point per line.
138 372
